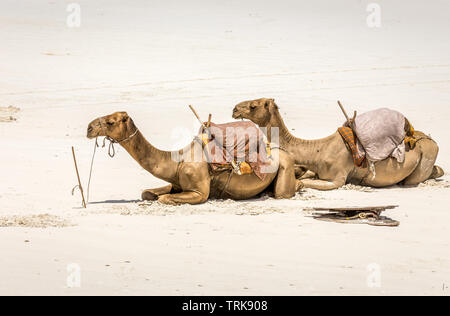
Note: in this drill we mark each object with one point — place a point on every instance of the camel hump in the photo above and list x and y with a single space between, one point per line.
238 125
381 133
240 142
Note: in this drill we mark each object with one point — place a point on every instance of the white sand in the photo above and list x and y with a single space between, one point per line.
152 60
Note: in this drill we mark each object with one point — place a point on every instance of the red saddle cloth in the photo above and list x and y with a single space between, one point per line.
240 142
349 137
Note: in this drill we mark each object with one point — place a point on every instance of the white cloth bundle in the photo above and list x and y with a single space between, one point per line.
381 133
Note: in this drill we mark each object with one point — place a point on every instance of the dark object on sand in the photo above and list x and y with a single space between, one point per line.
370 215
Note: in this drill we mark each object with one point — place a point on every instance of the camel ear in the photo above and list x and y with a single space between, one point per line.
125 117
270 102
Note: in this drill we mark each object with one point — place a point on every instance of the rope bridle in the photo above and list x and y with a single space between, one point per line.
111 150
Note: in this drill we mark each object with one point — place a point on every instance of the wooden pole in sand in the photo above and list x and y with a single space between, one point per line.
78 176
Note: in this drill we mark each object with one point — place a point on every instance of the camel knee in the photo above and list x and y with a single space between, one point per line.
198 197
284 196
285 187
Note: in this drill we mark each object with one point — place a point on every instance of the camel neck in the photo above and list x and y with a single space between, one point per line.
305 152
158 162
285 137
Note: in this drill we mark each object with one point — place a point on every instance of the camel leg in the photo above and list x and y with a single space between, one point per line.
194 181
152 194
285 182
182 198
299 171
325 185
308 175
303 173
425 168
437 172
321 184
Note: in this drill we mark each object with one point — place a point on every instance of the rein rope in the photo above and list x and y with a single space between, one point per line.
90 171
111 153
111 149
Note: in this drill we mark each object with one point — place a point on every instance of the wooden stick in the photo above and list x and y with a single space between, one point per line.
196 115
233 164
209 120
343 111
354 117
78 176
349 121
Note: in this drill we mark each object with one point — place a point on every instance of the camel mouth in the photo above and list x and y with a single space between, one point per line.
92 132
237 115
91 135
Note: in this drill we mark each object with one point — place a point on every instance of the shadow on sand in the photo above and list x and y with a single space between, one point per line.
115 202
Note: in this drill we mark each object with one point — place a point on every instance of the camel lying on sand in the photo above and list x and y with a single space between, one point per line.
332 162
191 181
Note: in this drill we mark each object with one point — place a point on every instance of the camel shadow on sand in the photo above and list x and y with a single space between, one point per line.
115 202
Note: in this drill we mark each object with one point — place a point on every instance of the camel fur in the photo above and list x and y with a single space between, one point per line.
332 162
190 180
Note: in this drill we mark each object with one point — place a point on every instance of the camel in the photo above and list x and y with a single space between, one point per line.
332 162
190 180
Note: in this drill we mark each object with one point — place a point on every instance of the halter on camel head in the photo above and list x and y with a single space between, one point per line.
115 128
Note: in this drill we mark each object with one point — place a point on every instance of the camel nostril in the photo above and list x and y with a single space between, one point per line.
89 129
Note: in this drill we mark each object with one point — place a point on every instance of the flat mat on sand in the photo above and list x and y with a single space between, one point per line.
370 215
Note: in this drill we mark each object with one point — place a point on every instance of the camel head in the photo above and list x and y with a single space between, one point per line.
117 126
258 111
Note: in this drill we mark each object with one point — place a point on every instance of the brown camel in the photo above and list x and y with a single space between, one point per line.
190 180
332 162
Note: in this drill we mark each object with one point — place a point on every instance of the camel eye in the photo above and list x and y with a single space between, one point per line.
110 123
252 107
124 119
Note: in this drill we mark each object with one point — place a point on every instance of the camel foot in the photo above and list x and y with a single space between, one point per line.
437 172
299 185
152 194
149 196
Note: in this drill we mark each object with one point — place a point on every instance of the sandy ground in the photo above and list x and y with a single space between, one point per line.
152 59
